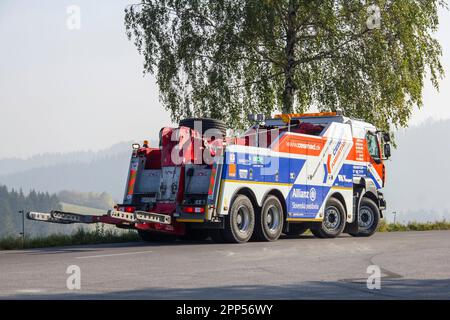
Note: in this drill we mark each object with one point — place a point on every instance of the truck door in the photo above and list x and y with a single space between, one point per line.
376 166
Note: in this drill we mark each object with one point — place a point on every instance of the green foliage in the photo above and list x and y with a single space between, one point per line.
413 226
81 236
227 58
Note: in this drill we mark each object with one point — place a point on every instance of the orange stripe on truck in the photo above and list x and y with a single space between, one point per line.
132 182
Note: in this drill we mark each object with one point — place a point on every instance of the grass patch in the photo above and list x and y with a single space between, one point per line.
81 236
413 226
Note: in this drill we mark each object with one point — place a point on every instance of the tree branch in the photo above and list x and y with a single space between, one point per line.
257 81
329 53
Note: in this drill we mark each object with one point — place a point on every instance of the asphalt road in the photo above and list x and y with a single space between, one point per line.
413 265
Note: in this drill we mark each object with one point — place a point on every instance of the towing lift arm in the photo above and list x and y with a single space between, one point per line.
118 218
62 217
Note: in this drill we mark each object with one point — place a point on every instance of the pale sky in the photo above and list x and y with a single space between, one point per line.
67 90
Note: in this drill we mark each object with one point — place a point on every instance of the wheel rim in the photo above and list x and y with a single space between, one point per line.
243 219
366 217
332 219
273 218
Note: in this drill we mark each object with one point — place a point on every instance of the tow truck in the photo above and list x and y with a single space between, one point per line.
285 174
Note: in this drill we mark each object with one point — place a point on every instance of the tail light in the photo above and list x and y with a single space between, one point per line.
130 209
194 210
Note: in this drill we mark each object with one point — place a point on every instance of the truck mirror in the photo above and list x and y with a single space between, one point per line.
386 137
387 150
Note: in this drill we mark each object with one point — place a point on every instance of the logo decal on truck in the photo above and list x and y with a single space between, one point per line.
312 194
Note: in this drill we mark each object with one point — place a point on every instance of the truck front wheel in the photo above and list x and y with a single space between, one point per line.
269 223
240 221
333 222
368 218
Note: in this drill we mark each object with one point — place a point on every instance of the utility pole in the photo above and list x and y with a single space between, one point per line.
23 228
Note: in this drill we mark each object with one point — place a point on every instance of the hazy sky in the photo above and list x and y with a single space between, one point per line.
64 90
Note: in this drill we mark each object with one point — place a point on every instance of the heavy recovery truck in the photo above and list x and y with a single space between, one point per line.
293 172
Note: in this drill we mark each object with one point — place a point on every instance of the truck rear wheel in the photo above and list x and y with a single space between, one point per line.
149 236
368 218
333 222
240 221
269 222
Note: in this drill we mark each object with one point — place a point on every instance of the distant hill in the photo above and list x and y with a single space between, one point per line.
105 175
101 171
14 165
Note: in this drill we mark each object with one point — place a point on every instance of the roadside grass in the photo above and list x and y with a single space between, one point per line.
79 237
108 235
413 226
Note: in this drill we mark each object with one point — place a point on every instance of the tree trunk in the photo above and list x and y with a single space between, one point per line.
289 84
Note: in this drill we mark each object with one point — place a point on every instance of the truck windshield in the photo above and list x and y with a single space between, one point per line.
372 145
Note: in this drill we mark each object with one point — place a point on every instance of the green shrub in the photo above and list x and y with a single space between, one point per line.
413 226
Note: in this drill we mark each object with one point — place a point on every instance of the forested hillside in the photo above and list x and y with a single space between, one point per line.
11 201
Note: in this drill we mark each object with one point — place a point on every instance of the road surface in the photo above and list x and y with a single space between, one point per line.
413 265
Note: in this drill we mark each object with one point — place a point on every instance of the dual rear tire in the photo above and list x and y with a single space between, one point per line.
243 222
